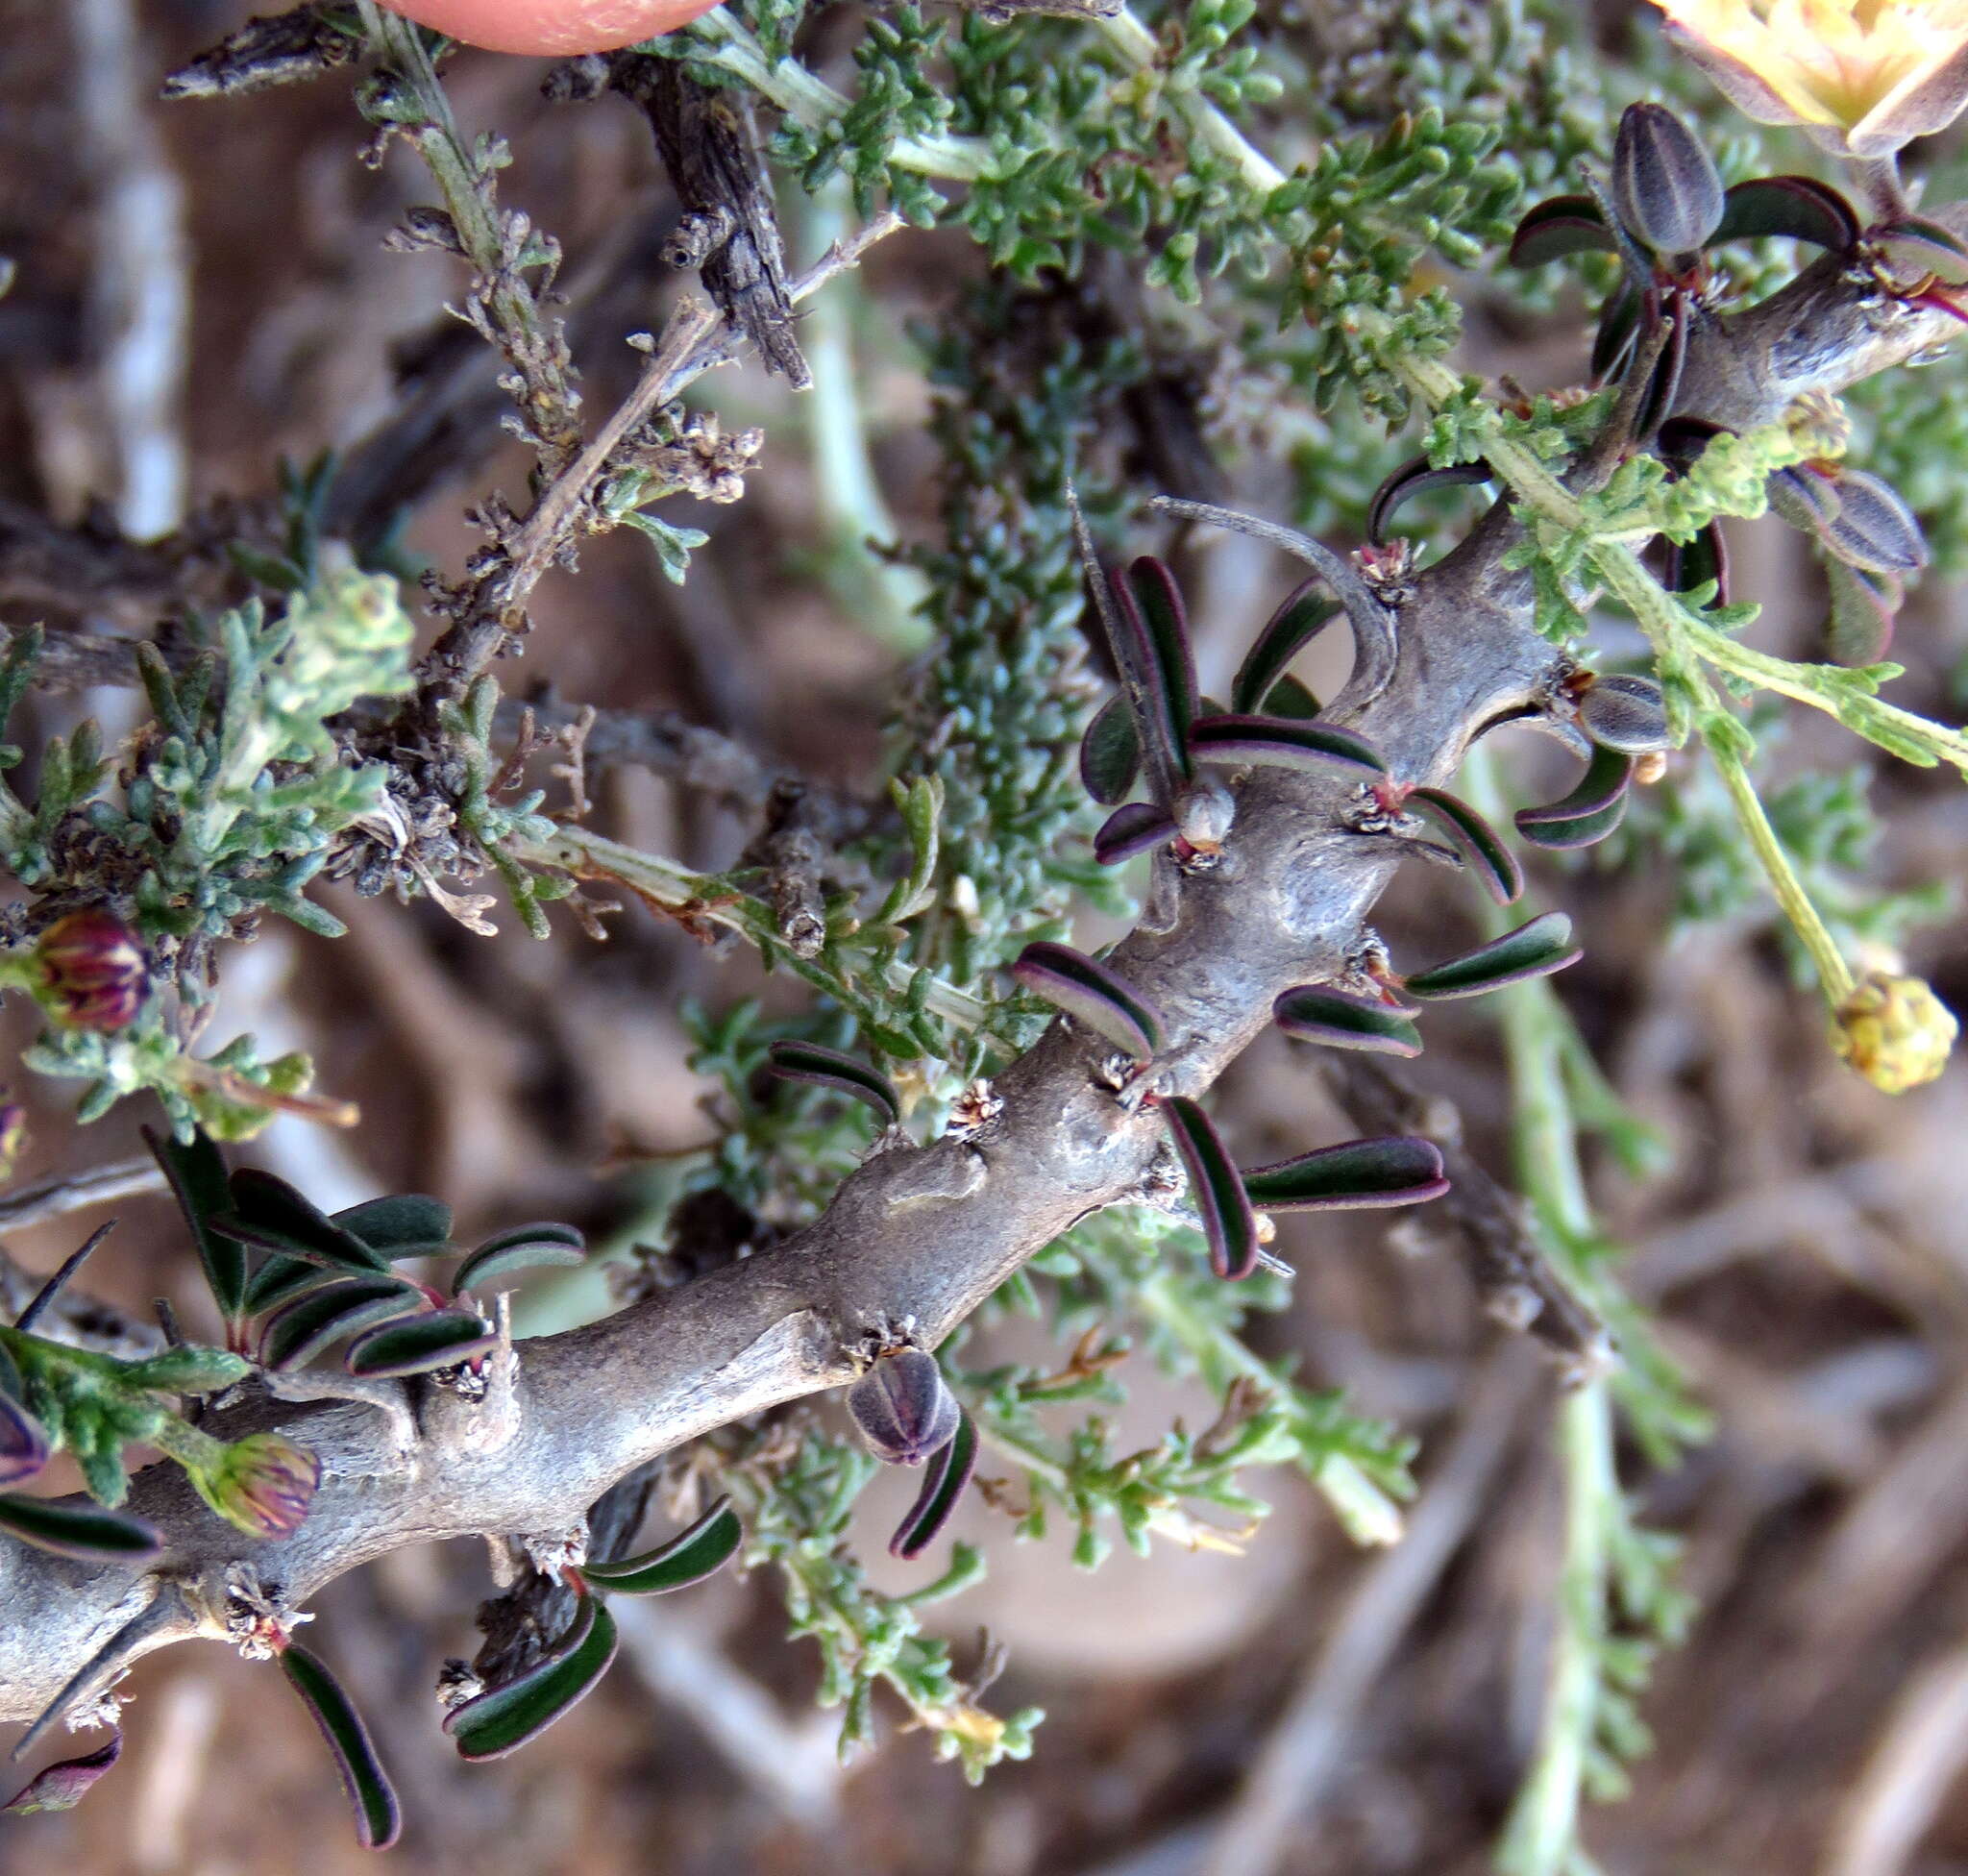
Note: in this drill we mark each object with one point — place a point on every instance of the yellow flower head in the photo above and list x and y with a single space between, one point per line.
1865 75
1894 1030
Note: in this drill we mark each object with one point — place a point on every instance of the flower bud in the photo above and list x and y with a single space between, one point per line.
1894 1030
263 1483
93 969
1873 527
903 1408
1624 712
1664 188
23 1444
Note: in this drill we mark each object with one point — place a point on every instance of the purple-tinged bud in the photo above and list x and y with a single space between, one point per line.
263 1483
1624 712
1664 188
23 1444
92 965
903 1408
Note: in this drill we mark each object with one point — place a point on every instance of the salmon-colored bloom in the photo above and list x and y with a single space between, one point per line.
1863 76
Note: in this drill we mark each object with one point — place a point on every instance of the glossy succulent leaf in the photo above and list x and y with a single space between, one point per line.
1563 225
1480 845
63 1785
1343 1018
1308 610
1288 698
1109 753
414 1345
1130 830
524 1248
280 1279
196 1171
1399 1170
1533 950
904 1406
949 1470
1624 711
1229 1224
23 1443
401 1225
1092 993
1694 563
1790 207
86 1533
690 1557
834 1068
1285 743
1872 528
1663 183
298 1331
1590 811
378 1816
270 1215
1151 652
503 1718
1863 607
1416 477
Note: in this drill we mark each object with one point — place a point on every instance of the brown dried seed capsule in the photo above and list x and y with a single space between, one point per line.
903 1407
92 965
1624 712
1664 188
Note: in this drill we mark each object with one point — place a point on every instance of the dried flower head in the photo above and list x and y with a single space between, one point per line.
1862 76
94 968
1894 1030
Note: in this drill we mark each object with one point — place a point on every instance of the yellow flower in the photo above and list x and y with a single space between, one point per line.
1894 1030
1863 76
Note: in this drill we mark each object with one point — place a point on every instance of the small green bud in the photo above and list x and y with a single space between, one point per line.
1894 1030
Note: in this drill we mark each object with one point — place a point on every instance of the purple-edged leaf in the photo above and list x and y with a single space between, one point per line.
1873 527
1228 1222
63 1785
1130 830
1153 590
401 1224
1092 993
1612 339
1414 478
1863 607
377 1815
268 1214
1665 386
1288 698
1151 652
196 1171
1565 224
1790 207
1478 844
1284 743
298 1331
1590 811
23 1443
904 1406
280 1279
1533 951
1305 613
834 1068
503 1718
1400 1170
1693 564
413 1345
524 1248
691 1556
1109 753
943 1485
1917 245
1341 1019
86 1533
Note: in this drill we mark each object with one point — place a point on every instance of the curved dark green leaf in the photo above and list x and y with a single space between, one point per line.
63 1786
1153 590
87 1532
280 1279
413 1345
1341 1019
1228 1222
1790 207
1130 830
378 1816
1306 612
24 1448
1562 224
503 1718
1478 844
401 1225
1109 753
700 1551
1533 950
524 1248
1414 478
1665 386
1692 564
834 1068
1288 698
1142 616
196 1171
949 1470
1090 992
1285 743
317 1319
1399 1170
1590 811
1612 338
268 1214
